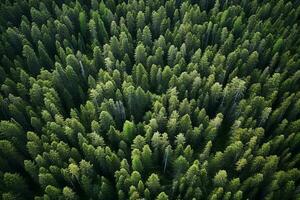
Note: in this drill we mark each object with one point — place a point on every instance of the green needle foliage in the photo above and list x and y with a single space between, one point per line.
149 99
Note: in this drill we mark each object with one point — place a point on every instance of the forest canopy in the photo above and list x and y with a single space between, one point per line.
149 99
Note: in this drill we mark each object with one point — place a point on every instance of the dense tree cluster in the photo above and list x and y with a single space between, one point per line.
149 99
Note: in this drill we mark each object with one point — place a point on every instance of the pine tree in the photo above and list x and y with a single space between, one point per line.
220 178
129 130
147 37
140 21
32 60
45 60
106 121
83 24
140 76
153 184
140 54
162 196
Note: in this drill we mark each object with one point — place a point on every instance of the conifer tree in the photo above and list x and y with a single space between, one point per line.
33 65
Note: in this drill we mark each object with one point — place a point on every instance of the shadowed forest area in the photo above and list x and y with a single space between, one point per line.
149 99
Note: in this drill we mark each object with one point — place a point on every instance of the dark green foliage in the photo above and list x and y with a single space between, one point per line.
176 99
